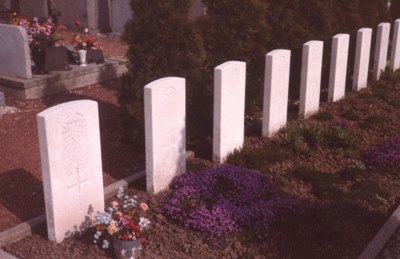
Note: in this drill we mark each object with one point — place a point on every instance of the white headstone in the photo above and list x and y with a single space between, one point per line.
381 49
394 63
276 91
229 101
361 63
311 67
15 58
165 124
71 166
338 70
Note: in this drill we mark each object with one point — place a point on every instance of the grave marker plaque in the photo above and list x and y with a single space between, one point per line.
381 49
71 166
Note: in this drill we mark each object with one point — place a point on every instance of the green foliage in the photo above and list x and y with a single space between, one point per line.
257 158
350 115
238 30
302 139
323 116
372 121
162 42
324 185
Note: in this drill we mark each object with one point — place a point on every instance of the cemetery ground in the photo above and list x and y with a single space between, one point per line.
322 163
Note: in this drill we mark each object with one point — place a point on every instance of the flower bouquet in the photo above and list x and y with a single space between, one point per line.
83 41
40 35
124 224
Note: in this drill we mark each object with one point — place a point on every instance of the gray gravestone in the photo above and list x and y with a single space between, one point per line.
121 13
394 63
86 11
72 173
381 49
165 124
34 8
15 58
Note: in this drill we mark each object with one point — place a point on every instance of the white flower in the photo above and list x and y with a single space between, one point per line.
106 244
123 252
144 223
86 30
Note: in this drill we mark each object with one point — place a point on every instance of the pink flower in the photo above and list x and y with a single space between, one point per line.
114 203
144 206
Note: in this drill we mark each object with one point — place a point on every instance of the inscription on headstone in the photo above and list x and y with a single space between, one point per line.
165 131
71 166
229 100
276 91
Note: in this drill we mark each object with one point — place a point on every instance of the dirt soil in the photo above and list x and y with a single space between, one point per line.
327 230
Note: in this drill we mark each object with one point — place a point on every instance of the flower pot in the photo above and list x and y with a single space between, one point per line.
82 57
38 57
126 249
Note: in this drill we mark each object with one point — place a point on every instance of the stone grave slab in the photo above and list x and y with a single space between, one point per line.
165 128
121 13
15 58
86 11
72 172
310 86
381 49
361 63
276 91
394 63
338 69
34 8
61 81
229 101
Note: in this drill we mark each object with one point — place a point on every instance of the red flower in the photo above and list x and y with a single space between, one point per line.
77 23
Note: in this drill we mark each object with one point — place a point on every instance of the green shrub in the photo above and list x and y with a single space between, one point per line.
323 116
238 30
350 115
257 158
162 42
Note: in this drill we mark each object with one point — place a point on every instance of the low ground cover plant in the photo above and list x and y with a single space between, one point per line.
226 200
386 154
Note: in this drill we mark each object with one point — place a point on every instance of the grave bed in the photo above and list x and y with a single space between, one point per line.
61 81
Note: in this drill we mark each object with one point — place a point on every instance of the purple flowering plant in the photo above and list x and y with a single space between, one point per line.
225 200
384 154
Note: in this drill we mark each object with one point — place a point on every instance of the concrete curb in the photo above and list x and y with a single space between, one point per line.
25 229
385 233
5 255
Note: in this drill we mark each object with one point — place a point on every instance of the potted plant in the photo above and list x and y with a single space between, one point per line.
83 41
40 36
125 225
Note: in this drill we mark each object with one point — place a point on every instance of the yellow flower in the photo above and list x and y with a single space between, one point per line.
112 228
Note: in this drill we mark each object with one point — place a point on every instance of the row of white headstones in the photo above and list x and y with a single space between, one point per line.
70 138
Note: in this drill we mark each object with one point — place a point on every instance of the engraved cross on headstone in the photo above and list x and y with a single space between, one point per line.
78 185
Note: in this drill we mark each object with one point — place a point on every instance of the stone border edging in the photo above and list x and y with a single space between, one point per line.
5 255
385 233
25 229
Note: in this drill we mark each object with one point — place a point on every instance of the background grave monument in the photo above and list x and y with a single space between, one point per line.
15 58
